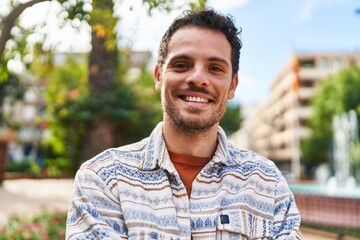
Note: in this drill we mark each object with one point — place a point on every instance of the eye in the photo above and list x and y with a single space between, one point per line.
180 66
216 68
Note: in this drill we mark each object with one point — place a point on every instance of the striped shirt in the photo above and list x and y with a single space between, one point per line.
135 192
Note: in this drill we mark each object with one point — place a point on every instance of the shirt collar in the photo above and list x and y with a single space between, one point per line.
156 154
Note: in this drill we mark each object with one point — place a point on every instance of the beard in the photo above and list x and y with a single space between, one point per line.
192 122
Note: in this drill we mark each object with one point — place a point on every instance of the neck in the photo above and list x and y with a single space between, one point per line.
199 144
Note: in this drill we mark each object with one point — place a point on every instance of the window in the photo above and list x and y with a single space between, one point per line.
337 63
308 83
324 63
307 63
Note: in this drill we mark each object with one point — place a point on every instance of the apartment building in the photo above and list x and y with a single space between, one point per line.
278 125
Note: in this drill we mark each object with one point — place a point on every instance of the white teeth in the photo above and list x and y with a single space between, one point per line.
196 99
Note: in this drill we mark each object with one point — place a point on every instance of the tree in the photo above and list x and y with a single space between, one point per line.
75 10
10 20
100 132
232 119
72 108
337 94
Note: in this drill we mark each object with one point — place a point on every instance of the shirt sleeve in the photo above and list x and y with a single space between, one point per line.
286 215
94 211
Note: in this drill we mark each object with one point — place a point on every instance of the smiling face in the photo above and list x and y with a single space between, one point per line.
196 79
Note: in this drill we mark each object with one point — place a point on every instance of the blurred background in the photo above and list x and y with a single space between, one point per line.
76 78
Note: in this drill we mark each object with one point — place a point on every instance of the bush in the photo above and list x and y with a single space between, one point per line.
17 166
39 227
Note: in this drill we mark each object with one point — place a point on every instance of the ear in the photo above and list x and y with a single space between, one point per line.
157 78
233 86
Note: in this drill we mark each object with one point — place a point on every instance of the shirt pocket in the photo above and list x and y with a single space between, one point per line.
241 224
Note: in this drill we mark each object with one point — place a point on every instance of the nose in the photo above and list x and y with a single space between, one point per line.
198 76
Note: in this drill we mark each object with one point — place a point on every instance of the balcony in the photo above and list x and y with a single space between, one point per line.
316 73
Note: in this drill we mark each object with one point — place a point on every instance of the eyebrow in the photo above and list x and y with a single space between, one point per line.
212 59
179 57
218 59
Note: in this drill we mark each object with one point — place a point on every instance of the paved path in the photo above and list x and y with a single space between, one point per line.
30 196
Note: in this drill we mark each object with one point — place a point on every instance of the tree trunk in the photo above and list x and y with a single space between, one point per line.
102 64
98 137
100 134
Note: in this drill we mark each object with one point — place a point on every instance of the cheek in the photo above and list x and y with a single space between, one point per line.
224 92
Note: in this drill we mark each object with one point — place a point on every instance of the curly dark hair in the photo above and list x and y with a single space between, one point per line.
209 19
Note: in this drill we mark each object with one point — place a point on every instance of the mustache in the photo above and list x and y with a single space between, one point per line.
192 89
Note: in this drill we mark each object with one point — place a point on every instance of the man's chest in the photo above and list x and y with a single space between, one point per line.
219 208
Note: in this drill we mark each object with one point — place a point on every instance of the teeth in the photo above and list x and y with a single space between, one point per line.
196 99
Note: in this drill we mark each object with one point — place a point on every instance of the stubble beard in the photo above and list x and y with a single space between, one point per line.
193 124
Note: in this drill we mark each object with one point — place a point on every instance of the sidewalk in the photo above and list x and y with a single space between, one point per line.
30 196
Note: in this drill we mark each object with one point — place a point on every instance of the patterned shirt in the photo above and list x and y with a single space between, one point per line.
135 192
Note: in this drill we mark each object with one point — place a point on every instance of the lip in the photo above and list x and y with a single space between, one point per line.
196 100
195 94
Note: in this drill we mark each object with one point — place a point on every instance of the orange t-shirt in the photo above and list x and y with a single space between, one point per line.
188 167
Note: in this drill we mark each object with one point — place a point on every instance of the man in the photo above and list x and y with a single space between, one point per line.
186 181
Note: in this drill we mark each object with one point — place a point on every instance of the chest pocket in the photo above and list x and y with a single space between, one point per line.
241 225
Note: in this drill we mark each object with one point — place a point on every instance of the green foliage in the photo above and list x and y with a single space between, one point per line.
35 170
53 168
121 105
71 107
18 50
132 116
57 166
166 5
133 108
232 119
43 226
75 9
18 166
336 95
64 93
201 4
4 74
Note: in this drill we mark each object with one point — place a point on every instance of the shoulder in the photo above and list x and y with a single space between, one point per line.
251 161
130 154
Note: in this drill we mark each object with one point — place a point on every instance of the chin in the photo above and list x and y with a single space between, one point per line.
194 125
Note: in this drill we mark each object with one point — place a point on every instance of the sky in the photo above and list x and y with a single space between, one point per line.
272 31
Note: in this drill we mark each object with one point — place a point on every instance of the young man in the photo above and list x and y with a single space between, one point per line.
186 181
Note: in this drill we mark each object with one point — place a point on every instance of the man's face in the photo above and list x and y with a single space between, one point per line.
196 79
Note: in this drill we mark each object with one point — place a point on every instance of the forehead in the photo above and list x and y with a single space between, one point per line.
200 42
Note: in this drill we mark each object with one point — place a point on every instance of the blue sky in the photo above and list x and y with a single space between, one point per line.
272 30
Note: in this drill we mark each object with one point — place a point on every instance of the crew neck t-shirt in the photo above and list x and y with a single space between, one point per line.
188 167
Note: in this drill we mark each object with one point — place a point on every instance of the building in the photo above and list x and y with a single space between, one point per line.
278 125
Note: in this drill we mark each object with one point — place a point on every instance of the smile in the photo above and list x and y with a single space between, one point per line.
195 99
